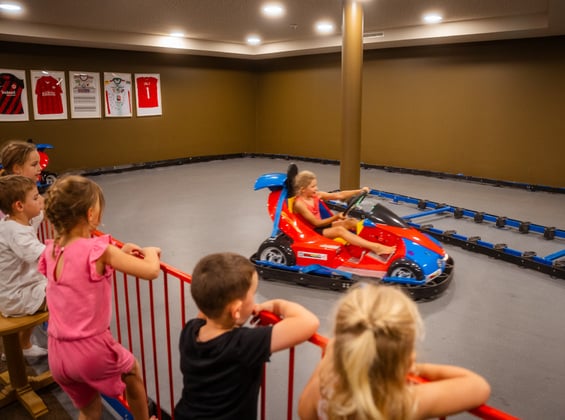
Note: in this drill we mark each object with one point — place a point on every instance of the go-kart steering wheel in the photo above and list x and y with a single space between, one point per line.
353 202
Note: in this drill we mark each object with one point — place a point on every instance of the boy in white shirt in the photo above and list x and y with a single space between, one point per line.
22 287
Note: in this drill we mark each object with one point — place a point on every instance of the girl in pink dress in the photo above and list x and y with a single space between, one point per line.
84 358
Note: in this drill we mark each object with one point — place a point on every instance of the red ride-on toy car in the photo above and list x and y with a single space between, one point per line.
296 253
46 178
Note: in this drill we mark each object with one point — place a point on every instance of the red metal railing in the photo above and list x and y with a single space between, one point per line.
144 323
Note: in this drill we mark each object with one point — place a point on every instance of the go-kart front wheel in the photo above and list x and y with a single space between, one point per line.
276 251
405 269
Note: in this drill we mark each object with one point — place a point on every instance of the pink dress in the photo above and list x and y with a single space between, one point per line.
314 208
84 358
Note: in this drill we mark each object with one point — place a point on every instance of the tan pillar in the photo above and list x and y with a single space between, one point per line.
351 93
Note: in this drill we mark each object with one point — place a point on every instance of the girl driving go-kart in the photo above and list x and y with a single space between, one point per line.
296 252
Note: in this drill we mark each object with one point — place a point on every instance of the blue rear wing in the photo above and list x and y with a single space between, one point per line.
273 181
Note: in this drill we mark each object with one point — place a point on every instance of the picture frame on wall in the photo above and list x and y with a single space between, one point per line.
117 94
84 88
148 94
13 96
49 95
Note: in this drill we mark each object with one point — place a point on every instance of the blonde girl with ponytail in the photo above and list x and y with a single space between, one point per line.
364 374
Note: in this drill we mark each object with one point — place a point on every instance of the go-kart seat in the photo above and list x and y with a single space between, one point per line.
324 213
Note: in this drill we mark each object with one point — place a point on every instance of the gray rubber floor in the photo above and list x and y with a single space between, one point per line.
500 320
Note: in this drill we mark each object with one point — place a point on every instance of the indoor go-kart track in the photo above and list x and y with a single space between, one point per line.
504 321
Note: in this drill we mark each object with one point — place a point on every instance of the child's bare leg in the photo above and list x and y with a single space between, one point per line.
135 393
93 411
381 249
349 223
25 338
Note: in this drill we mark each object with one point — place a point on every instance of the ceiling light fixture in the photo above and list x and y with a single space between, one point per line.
253 40
273 10
10 7
324 27
433 18
177 34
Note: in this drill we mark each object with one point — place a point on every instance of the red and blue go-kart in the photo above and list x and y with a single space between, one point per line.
296 253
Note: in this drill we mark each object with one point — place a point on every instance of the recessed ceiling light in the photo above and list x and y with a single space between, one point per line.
324 27
169 41
432 18
273 10
177 34
253 40
10 7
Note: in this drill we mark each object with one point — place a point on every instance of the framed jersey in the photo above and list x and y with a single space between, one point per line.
117 95
148 94
50 98
13 95
84 88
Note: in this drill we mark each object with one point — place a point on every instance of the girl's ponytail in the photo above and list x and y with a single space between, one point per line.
374 337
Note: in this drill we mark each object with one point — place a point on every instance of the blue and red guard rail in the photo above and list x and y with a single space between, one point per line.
553 264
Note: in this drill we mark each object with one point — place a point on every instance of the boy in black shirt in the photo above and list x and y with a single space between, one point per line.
221 361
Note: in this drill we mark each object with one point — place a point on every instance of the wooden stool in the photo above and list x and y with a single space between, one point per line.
18 385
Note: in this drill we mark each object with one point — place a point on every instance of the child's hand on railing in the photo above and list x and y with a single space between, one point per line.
132 249
262 315
137 251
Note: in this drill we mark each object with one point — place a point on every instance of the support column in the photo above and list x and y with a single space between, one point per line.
351 93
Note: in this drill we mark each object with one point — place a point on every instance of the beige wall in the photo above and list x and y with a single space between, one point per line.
491 110
298 110
485 110
208 109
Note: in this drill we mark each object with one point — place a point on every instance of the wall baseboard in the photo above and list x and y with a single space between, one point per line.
209 158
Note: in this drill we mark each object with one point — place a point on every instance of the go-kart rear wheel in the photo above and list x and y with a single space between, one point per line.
276 251
48 178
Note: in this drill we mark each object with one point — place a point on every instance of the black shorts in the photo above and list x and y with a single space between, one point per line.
320 230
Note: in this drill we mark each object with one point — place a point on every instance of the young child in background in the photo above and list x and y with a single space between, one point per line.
221 360
84 358
364 374
21 158
307 202
22 287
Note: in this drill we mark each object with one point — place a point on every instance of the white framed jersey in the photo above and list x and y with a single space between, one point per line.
117 95
85 94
